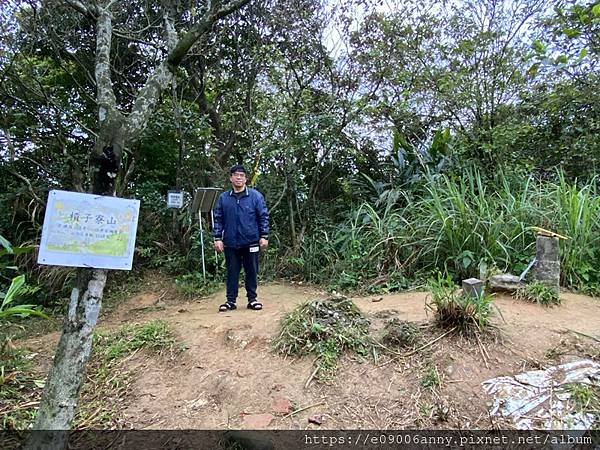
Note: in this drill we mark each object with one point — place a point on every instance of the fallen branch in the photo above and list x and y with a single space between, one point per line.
90 418
482 353
585 335
302 409
18 407
312 375
412 352
122 362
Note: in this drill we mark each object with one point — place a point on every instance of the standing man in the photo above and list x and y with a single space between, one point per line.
241 229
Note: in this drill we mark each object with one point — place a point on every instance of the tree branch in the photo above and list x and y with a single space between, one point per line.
131 38
150 93
90 11
170 33
29 186
106 96
190 38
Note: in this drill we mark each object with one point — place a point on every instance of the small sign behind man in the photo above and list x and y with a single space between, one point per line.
175 199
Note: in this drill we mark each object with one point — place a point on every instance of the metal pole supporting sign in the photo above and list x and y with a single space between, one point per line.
204 200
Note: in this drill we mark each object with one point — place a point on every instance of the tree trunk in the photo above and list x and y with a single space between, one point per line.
67 373
61 394
10 145
290 200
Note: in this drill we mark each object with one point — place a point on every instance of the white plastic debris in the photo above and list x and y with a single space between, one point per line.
540 399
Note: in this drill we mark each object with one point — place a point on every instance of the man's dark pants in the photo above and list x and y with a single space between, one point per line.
235 259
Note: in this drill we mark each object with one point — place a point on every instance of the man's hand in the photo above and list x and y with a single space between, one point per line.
263 243
219 246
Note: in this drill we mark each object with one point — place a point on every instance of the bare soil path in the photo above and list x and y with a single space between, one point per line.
228 376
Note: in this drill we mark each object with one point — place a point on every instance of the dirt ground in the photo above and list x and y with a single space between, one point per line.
228 376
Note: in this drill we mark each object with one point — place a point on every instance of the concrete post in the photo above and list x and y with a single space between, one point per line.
473 287
547 266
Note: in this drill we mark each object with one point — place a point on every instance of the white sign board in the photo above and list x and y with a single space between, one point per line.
85 230
174 199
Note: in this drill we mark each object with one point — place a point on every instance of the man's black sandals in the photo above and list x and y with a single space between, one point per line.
254 305
227 307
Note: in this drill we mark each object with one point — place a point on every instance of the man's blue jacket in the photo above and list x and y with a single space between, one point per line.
241 221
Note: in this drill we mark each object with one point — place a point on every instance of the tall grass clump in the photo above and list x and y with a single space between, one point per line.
465 224
367 246
373 242
313 261
452 309
577 217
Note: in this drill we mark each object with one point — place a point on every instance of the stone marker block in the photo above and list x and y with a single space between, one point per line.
505 282
547 266
473 287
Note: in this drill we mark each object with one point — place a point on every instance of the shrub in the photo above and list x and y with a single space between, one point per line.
6 310
195 284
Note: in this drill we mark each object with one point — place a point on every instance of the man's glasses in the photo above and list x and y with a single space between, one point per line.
238 175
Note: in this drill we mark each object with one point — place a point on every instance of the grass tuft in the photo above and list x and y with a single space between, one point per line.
538 293
195 284
401 334
109 380
585 399
469 315
154 335
20 390
431 379
325 328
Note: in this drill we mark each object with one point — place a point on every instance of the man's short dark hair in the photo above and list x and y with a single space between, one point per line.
237 168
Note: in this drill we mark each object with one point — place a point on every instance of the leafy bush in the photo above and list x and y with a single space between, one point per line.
17 287
10 295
